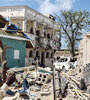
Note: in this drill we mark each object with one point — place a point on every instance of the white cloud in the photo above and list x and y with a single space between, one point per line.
48 7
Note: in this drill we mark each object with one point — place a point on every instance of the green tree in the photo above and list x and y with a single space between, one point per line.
72 23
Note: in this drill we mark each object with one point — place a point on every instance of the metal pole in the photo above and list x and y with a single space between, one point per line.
60 93
54 85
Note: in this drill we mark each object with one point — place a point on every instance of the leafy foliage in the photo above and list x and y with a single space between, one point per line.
73 22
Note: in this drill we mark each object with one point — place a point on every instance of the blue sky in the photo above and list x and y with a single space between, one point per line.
50 6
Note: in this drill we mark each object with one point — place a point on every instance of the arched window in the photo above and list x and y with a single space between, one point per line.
31 30
47 55
52 55
37 53
48 36
38 39
31 54
38 32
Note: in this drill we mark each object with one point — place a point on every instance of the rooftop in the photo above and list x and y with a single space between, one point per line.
24 6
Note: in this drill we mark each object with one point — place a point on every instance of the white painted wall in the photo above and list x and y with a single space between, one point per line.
25 18
84 50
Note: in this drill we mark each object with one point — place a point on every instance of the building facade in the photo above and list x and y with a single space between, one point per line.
42 29
65 53
84 50
62 53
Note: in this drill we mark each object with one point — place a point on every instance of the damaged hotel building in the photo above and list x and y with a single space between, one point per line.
42 29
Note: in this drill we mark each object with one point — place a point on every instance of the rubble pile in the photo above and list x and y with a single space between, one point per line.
86 75
31 84
77 87
36 83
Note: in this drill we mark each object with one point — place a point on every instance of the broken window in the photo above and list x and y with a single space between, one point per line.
31 30
47 55
37 53
31 54
52 55
38 32
38 40
48 36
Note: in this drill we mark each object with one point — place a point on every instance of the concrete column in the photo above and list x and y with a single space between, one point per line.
34 27
53 34
24 24
43 30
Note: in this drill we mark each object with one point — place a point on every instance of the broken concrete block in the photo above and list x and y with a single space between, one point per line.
43 78
18 77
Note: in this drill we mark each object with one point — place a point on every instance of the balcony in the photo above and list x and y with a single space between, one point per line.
42 42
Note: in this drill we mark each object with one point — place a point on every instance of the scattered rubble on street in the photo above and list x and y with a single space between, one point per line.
49 83
37 84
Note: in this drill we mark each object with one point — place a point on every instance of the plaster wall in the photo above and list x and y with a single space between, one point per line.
15 52
84 50
25 18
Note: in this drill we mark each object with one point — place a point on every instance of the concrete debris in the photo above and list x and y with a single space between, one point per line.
77 87
43 78
36 83
39 84
86 75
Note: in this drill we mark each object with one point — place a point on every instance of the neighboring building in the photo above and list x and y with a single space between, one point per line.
15 49
84 50
42 29
62 53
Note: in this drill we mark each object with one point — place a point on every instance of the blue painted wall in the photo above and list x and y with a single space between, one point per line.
12 45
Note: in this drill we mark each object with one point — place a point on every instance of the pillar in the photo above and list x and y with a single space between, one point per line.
34 27
24 24
53 34
43 30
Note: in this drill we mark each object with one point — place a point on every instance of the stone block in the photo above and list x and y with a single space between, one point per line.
43 78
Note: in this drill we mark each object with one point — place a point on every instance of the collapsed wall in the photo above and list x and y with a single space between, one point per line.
84 48
84 55
79 78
